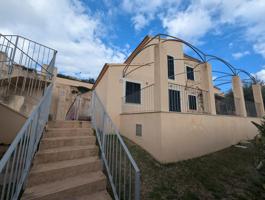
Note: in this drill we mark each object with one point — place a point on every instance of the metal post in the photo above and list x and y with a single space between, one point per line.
10 69
137 186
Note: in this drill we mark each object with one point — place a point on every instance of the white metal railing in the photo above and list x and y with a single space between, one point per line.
25 65
122 171
73 112
140 101
16 162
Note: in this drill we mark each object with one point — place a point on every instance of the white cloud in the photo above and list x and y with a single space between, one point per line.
239 55
139 22
259 47
260 75
204 16
189 25
65 25
143 11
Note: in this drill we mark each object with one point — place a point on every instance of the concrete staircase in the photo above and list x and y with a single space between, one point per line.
67 166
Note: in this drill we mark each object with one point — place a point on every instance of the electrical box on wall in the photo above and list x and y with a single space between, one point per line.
138 129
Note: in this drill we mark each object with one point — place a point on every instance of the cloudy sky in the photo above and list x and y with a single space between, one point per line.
89 33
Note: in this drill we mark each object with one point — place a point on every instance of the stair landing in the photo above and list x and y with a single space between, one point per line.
67 166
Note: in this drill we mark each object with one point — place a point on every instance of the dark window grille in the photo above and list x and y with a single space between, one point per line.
170 67
190 73
174 101
192 102
133 92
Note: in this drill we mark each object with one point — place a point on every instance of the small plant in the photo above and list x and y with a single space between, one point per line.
260 143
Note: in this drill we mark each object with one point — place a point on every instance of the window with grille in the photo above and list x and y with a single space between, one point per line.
174 101
192 102
170 67
133 92
190 73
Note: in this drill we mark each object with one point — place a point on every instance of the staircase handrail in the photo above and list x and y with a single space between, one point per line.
17 160
111 144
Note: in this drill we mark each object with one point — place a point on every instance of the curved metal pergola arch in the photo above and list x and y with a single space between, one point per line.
253 79
129 64
213 57
204 58
175 39
220 77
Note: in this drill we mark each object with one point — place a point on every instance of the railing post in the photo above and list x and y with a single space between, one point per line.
92 108
10 69
137 186
103 132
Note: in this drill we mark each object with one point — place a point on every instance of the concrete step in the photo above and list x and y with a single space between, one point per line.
65 153
67 188
64 132
49 172
103 195
54 142
69 124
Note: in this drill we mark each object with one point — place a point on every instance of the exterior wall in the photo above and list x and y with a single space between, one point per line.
151 139
111 88
171 137
9 129
63 95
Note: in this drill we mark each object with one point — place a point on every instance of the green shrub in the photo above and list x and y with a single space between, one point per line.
260 144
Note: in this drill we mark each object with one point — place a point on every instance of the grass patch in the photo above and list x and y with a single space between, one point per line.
227 174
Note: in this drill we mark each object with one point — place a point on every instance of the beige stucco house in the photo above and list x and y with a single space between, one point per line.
164 100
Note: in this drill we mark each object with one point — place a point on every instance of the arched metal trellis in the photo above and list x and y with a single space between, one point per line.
203 57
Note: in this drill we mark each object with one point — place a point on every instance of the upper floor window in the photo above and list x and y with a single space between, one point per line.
133 92
190 73
170 68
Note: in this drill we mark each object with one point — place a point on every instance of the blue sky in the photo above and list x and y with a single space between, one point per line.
89 33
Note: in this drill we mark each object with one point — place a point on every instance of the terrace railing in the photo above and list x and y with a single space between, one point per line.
122 171
251 108
22 57
225 106
140 101
16 162
187 99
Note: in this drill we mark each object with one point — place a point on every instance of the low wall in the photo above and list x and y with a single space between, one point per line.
151 131
11 122
171 137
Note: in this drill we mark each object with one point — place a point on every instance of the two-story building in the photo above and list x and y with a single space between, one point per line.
164 100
